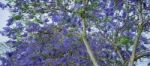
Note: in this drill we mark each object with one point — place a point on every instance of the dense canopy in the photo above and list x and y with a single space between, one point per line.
76 32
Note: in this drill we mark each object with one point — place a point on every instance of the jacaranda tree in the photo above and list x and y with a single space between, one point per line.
76 32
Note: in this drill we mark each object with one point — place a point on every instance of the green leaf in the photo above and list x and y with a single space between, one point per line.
25 7
81 12
37 20
106 19
69 35
10 1
17 17
77 1
116 2
59 2
124 40
92 6
118 63
95 4
35 4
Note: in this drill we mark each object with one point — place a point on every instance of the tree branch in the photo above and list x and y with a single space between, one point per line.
139 32
87 45
141 55
84 37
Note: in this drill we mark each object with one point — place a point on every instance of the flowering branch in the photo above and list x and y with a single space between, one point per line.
87 45
84 37
139 32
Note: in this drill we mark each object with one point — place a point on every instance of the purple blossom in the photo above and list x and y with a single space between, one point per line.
46 20
2 5
33 27
56 18
10 21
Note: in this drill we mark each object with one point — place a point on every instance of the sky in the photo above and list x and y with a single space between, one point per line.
4 14
3 18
